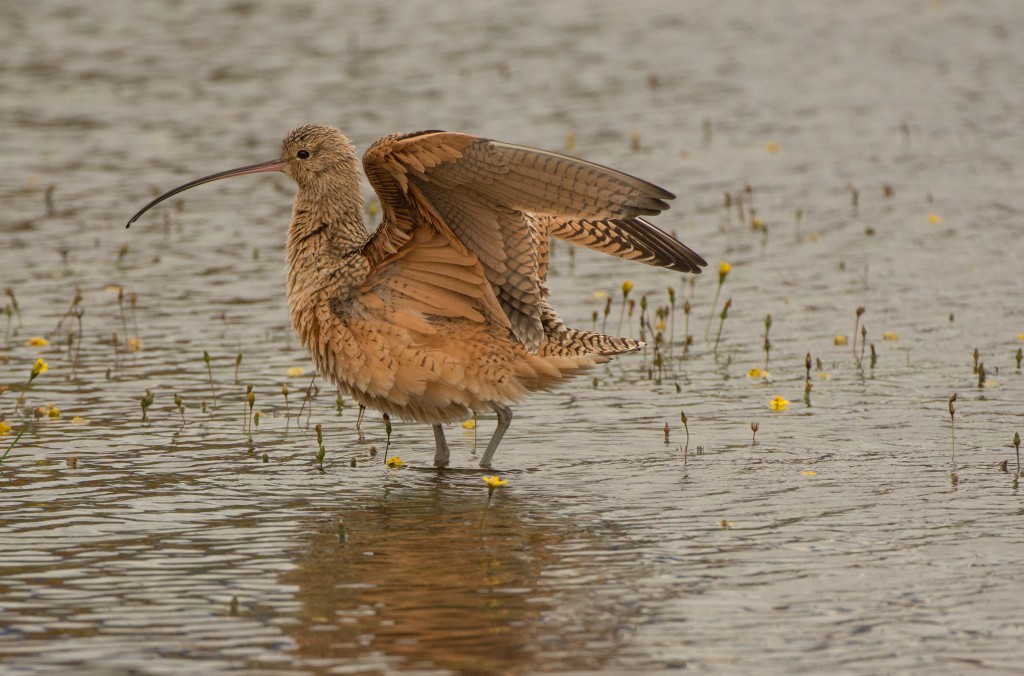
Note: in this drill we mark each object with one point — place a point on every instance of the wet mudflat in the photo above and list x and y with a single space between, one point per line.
866 156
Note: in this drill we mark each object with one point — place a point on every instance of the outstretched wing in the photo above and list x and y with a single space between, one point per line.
480 194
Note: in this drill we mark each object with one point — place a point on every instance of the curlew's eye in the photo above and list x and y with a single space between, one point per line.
302 154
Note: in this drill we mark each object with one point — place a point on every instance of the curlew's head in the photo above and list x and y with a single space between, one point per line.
314 155
315 152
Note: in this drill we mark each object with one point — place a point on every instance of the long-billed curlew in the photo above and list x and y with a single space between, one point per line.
444 310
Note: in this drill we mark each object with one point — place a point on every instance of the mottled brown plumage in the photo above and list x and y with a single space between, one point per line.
443 310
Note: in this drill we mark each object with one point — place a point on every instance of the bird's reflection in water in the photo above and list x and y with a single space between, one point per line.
428 576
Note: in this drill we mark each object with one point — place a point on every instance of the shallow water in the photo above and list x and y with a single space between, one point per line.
837 543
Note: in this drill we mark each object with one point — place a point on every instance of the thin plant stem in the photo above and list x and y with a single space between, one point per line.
14 443
714 304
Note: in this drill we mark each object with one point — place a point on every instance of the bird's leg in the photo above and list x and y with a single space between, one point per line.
504 420
441 454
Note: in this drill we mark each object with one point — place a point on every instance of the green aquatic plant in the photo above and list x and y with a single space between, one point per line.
146 401
307 400
321 452
627 286
856 327
132 301
13 443
724 269
767 342
686 428
863 342
952 438
116 342
387 430
1016 448
13 306
38 368
687 338
8 312
758 225
754 427
120 310
209 371
671 320
721 323
180 405
644 326
248 391
250 397
493 483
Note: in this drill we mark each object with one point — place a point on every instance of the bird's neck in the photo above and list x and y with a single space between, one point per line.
324 258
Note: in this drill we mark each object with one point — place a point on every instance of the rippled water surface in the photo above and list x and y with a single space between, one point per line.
877 145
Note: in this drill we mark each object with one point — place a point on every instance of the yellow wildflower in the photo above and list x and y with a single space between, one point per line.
934 219
724 268
599 295
727 525
79 420
134 345
38 341
395 463
53 411
296 372
890 336
778 404
757 373
494 482
840 340
757 224
1020 336
4 428
772 146
660 325
469 424
39 367
627 286
809 472
823 376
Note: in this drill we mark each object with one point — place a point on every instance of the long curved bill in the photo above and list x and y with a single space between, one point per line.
272 165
